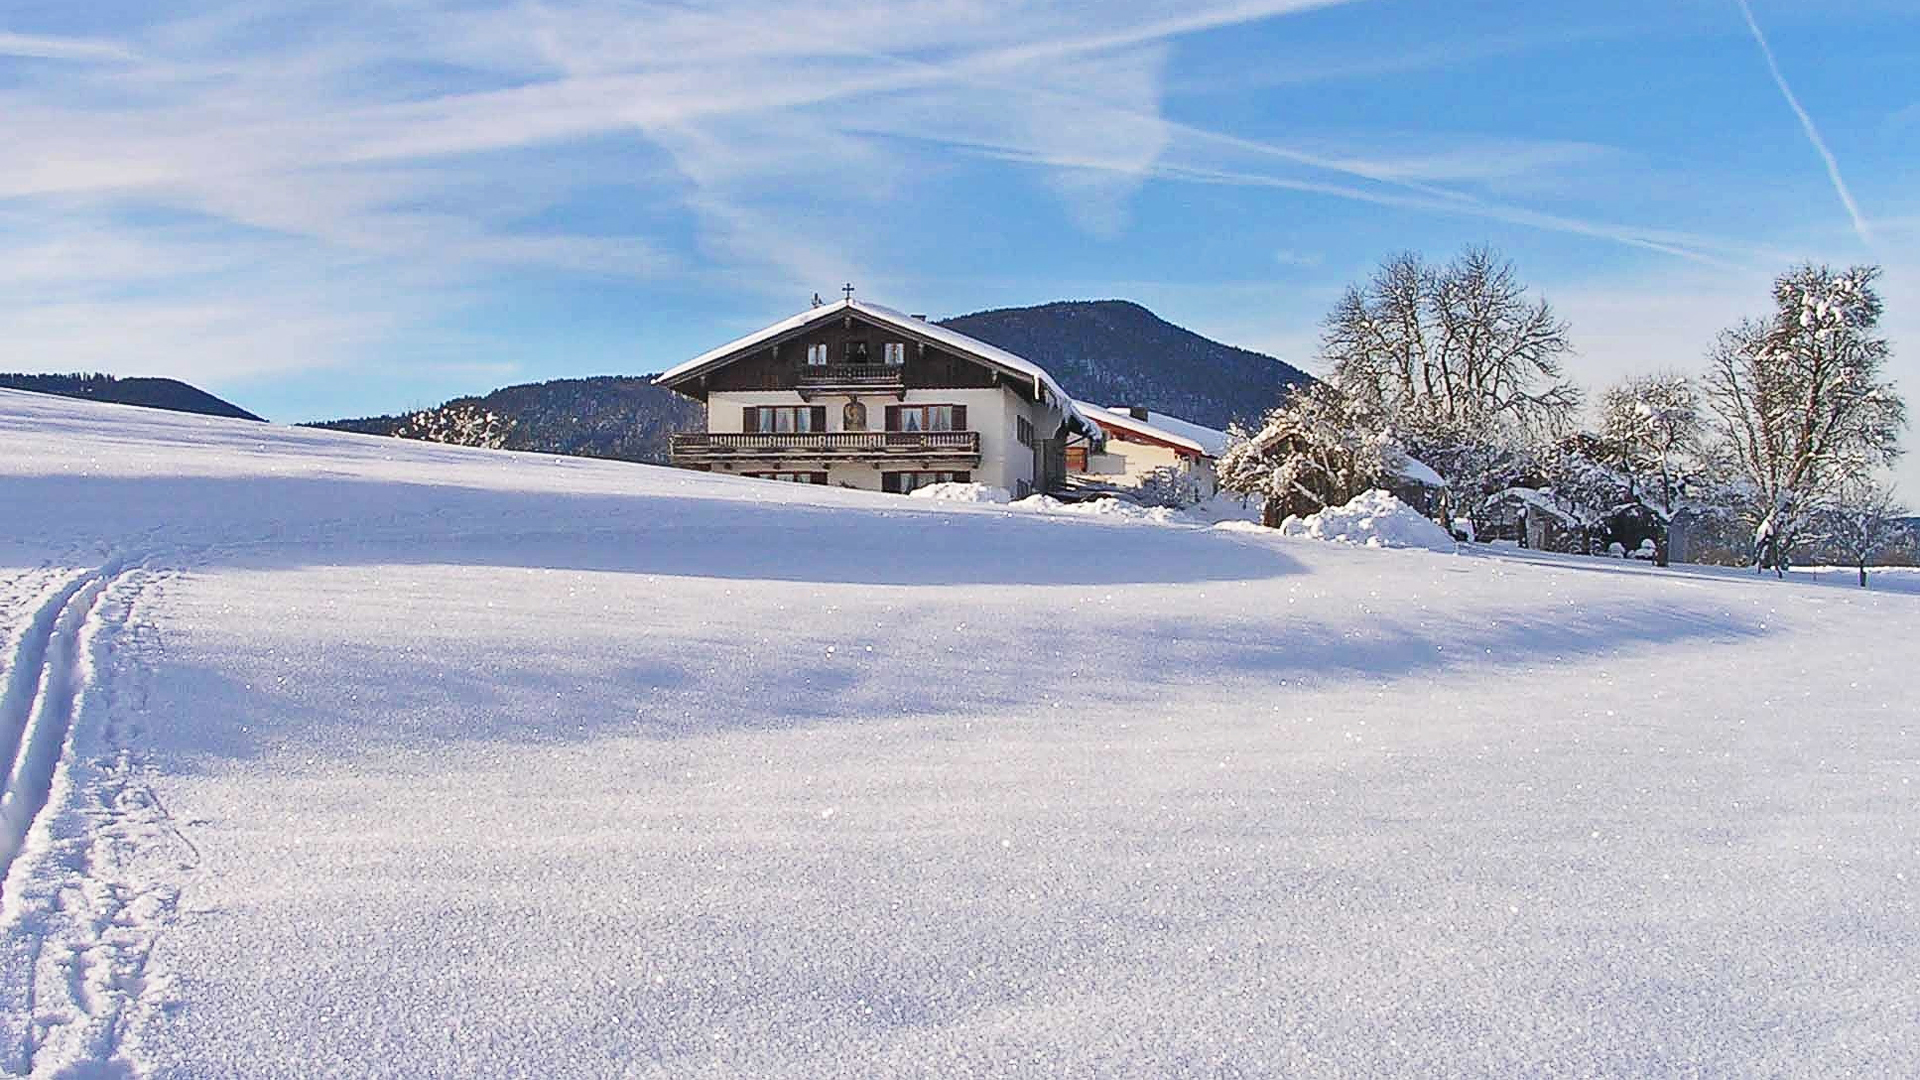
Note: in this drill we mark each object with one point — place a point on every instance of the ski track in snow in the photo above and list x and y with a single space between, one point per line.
76 825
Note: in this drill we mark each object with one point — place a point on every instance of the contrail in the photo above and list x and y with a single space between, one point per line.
1813 133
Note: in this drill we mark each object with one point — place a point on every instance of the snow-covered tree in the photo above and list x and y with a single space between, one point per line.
1862 521
1650 430
1799 403
1318 448
460 424
1583 483
1460 364
1650 434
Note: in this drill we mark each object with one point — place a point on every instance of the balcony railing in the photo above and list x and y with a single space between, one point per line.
842 378
705 446
852 374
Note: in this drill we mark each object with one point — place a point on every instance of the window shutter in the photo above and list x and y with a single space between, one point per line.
819 418
959 418
893 418
750 420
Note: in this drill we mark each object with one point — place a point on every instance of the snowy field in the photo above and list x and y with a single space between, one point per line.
370 758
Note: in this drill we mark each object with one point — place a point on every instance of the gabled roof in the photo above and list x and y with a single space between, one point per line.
990 355
1211 441
1122 422
1421 473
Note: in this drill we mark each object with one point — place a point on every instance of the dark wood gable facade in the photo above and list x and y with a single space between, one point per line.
852 342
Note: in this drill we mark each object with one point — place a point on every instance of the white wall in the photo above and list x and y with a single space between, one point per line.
1128 463
1003 461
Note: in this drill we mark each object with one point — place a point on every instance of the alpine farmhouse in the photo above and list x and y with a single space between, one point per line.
858 395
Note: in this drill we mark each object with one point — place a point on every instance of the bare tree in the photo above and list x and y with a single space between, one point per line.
1799 404
1452 345
1863 521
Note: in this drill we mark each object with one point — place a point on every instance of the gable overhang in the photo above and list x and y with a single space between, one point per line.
1124 428
807 322
1116 433
740 349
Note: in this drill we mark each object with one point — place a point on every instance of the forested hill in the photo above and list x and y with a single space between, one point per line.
1115 352
170 394
623 417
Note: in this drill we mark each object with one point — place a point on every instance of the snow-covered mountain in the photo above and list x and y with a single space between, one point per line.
352 756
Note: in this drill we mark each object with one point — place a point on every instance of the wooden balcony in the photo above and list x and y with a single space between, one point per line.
852 379
705 448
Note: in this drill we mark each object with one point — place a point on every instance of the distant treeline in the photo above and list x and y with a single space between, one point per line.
622 417
170 394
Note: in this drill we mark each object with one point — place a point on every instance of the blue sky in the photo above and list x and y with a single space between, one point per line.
325 209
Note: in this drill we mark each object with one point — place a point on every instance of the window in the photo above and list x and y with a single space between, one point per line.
926 418
1023 430
781 419
896 354
856 352
900 483
817 355
790 477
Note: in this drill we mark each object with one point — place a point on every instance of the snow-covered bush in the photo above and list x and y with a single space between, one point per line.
1375 519
1317 448
1172 488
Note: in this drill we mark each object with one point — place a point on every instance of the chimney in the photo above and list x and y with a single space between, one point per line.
1137 412
922 318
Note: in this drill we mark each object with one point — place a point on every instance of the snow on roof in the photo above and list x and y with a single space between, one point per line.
952 339
1121 420
1212 442
1536 499
1421 473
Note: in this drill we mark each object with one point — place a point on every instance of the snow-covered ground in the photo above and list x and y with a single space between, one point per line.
362 757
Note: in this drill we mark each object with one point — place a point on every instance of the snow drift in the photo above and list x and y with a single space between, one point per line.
964 493
1112 509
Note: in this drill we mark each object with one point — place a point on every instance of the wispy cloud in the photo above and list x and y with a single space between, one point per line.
62 48
1806 122
348 170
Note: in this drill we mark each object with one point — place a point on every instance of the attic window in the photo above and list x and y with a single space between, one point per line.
817 355
896 353
856 352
